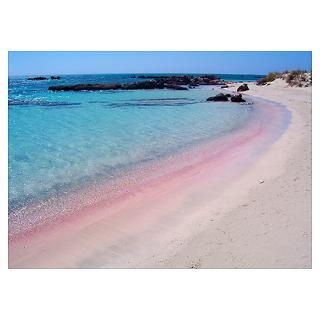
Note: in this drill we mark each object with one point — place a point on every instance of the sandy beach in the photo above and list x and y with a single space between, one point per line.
255 213
270 223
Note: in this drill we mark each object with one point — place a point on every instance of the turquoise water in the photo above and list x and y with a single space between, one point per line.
59 140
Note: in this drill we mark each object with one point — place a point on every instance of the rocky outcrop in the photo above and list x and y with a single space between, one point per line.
187 79
55 78
243 87
143 85
174 87
225 97
182 82
237 98
219 97
37 78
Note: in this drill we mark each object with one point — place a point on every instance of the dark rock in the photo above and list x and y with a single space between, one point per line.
38 78
186 79
174 87
243 87
143 85
237 98
224 86
219 97
175 82
55 78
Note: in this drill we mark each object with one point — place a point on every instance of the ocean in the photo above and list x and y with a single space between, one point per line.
60 142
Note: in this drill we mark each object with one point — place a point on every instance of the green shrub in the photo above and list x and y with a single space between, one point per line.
293 78
272 76
268 78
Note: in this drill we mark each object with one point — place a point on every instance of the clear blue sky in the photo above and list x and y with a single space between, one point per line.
254 62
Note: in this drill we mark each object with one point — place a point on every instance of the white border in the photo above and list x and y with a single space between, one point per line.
158 294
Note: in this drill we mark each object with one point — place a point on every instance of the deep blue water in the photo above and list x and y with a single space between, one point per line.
58 140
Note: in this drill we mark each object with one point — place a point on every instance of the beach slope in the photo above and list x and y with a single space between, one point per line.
270 225
255 213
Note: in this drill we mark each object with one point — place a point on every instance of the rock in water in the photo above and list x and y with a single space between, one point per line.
38 78
174 87
219 97
55 78
237 98
143 85
243 87
155 82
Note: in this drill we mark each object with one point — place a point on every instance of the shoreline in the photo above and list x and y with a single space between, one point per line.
176 246
142 175
276 215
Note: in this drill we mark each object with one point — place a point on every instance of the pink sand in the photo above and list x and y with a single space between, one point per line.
139 218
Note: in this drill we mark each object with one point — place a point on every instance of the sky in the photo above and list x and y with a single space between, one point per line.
91 62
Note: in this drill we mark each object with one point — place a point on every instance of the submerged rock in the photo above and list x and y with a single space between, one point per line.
55 78
237 98
243 87
219 97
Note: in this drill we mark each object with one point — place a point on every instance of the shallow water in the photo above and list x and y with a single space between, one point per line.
61 140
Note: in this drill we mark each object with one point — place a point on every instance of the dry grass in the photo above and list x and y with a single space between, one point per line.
294 78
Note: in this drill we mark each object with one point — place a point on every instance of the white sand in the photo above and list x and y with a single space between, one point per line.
270 224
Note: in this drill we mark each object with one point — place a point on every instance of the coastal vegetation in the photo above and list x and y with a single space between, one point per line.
300 78
294 78
268 78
